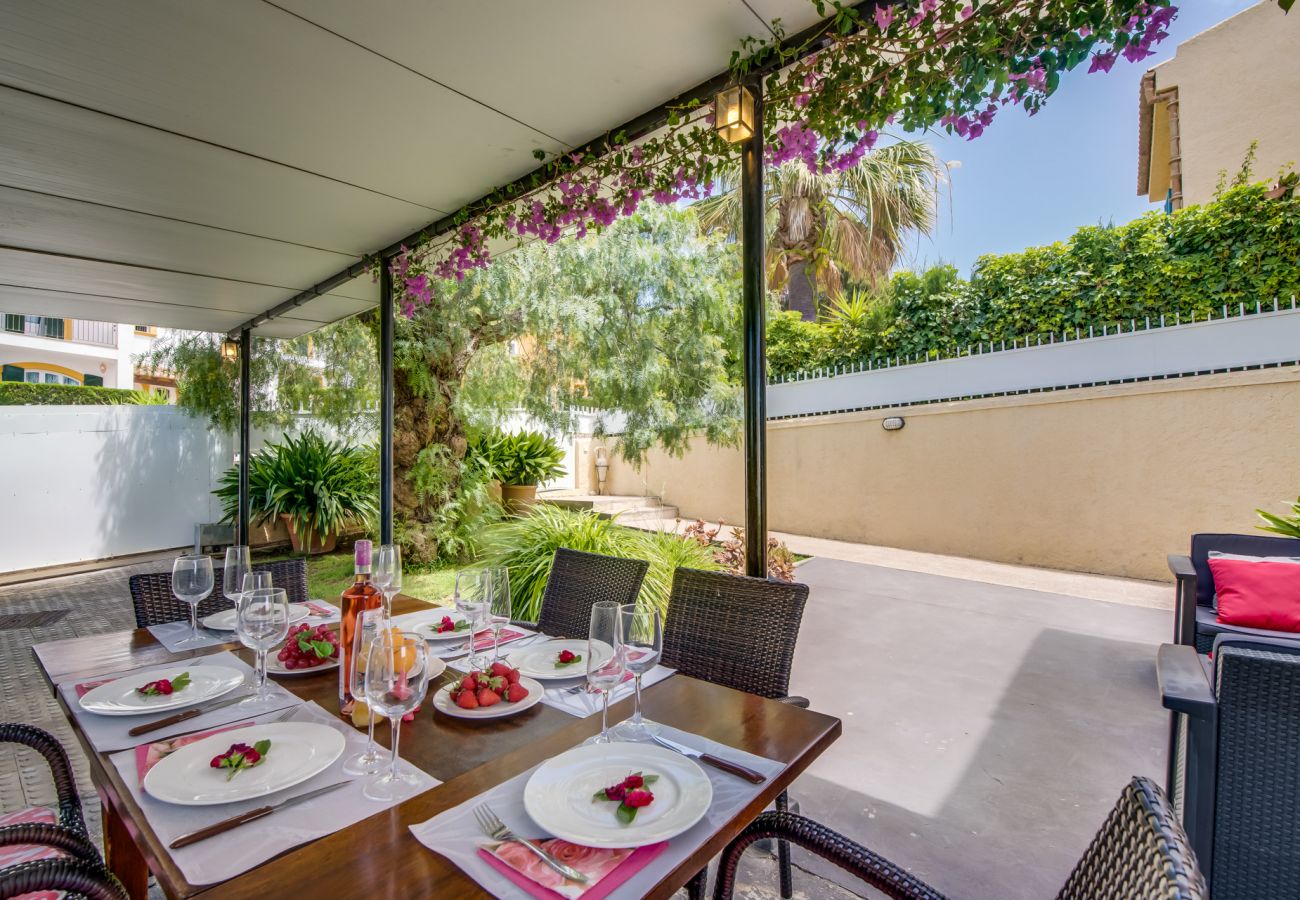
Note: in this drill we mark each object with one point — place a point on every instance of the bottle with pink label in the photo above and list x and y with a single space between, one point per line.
360 596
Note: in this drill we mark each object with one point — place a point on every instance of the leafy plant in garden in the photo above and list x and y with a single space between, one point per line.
321 485
729 554
22 393
1288 526
521 458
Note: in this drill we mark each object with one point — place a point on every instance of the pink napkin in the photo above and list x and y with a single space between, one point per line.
320 609
149 755
608 869
507 635
86 687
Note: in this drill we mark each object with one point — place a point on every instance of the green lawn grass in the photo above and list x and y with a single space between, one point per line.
329 574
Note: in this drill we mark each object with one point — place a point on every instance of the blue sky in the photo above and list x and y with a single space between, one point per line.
1030 181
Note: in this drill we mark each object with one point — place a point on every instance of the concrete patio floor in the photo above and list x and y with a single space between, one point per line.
987 727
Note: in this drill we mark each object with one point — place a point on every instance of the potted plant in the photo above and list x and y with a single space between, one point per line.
314 485
520 462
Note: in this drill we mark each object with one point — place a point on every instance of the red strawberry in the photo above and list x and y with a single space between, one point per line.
469 683
638 798
467 700
496 683
500 668
513 676
566 656
516 692
487 697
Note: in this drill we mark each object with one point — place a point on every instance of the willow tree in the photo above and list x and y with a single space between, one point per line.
824 227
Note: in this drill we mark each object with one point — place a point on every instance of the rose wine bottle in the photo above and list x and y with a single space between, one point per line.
360 596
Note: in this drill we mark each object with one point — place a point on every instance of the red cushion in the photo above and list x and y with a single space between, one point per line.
1261 594
18 853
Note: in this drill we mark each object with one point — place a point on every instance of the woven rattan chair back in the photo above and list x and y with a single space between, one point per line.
577 581
1140 852
712 631
154 602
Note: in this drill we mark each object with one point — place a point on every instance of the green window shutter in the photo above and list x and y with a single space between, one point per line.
13 323
52 327
12 373
92 380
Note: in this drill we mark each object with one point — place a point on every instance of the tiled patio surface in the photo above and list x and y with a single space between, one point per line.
987 728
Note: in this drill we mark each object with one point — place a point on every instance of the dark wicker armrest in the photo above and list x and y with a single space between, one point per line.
1181 566
72 875
852 857
520 623
801 702
54 836
46 744
1184 686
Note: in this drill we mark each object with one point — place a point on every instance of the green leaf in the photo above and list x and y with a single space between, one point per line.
262 746
1285 4
324 649
181 681
626 813
539 154
599 796
649 779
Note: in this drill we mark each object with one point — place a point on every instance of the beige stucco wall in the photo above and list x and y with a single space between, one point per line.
1104 480
1237 82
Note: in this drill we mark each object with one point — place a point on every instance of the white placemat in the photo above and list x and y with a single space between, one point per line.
235 852
109 733
456 835
170 634
573 697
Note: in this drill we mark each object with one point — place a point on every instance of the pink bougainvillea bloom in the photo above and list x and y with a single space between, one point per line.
884 17
1102 62
967 12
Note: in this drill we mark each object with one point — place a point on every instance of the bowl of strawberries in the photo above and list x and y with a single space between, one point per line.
490 693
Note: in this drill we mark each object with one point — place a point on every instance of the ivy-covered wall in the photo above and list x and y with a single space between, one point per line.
1241 248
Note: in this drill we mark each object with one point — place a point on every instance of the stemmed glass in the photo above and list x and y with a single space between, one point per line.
369 624
640 644
471 596
261 623
254 581
238 564
387 575
603 676
192 582
397 676
500 610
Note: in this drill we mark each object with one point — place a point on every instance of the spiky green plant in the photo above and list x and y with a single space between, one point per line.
1288 527
667 551
523 458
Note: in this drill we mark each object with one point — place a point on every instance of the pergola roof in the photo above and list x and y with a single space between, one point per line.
193 165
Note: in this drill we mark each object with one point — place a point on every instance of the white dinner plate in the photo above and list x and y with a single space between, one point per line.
275 667
538 659
225 620
298 751
428 628
120 698
443 703
558 795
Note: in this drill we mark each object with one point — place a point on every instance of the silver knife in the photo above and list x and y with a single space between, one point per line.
709 759
252 815
184 716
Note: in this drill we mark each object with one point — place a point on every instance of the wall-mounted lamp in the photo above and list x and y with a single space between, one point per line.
229 350
733 114
893 423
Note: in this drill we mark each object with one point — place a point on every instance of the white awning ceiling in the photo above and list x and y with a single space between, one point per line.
193 164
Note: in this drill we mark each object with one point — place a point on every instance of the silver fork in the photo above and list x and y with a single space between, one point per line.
494 828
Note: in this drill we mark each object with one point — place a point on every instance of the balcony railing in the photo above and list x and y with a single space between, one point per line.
103 334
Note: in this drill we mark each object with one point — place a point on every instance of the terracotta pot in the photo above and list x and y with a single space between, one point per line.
317 545
518 498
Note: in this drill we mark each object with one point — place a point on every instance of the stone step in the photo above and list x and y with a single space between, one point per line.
624 506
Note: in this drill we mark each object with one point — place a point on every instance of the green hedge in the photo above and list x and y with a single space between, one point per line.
1240 248
21 393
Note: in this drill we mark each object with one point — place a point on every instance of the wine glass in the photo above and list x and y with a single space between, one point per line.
369 624
254 581
471 595
500 610
603 675
640 644
261 623
397 676
192 582
238 564
387 575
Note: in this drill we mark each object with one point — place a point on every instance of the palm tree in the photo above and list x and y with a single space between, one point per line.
822 227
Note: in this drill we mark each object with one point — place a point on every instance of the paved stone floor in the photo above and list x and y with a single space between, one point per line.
987 728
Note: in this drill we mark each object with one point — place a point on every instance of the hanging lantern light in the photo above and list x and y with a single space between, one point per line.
733 114
229 350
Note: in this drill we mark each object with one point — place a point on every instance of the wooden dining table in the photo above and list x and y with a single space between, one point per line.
379 856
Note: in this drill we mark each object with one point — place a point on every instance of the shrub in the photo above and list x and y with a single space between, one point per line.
22 393
730 554
1287 526
320 484
524 458
526 545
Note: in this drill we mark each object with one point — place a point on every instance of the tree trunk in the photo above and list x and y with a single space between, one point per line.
422 425
799 295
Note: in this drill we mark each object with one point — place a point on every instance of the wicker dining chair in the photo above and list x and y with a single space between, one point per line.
37 854
1140 853
154 602
710 634
577 581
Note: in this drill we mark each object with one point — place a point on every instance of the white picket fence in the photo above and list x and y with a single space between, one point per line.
1241 341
